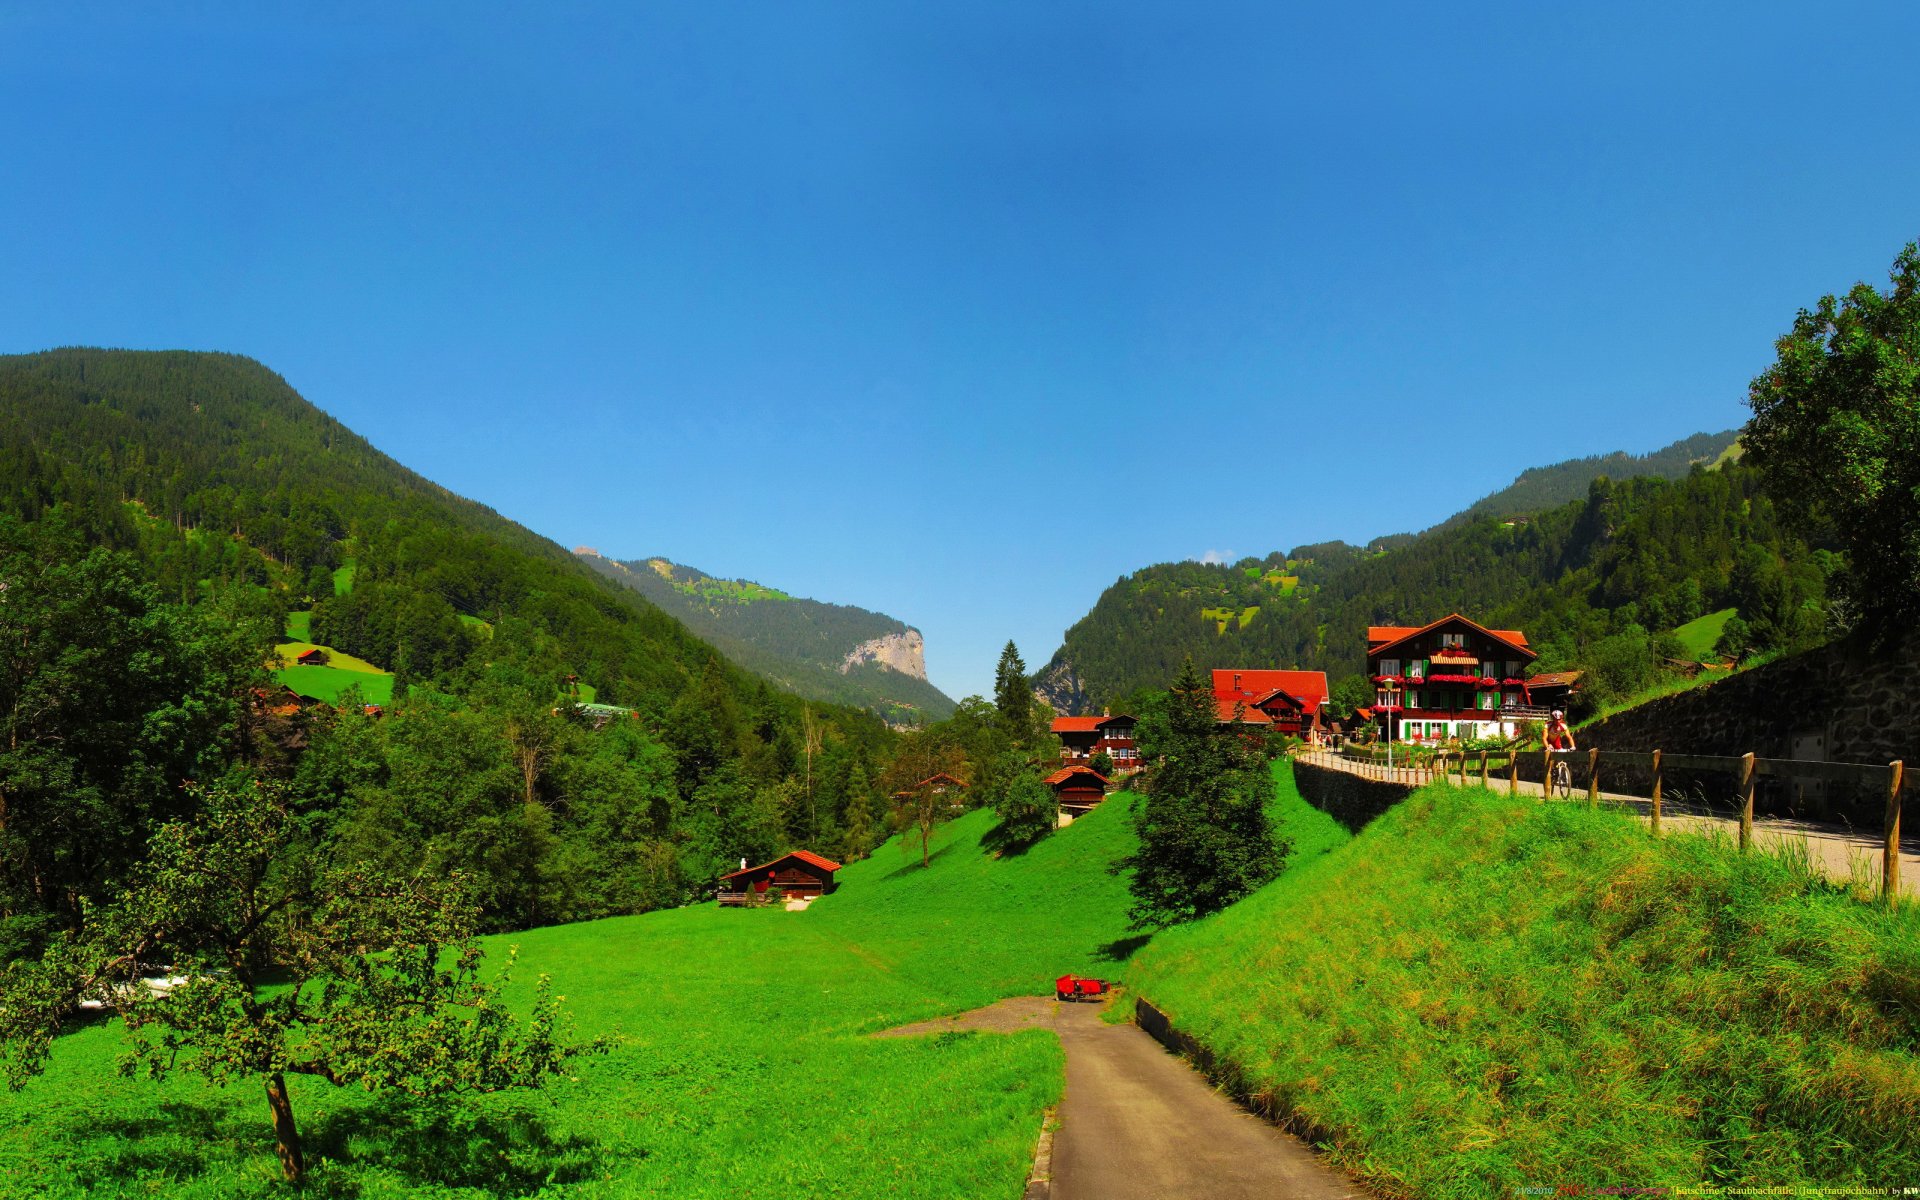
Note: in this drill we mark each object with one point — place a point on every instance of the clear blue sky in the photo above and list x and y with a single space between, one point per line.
962 315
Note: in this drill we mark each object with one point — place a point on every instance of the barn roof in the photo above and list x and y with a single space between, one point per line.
805 856
940 777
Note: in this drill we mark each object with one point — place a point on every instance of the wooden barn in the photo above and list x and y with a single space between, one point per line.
312 658
1078 788
795 873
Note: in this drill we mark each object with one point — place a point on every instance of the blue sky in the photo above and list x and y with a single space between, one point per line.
962 313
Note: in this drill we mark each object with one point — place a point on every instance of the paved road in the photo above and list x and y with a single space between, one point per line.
1837 849
1138 1123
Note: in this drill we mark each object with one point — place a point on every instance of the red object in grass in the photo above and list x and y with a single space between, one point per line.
1073 987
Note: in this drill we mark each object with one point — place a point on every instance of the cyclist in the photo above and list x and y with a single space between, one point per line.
1559 737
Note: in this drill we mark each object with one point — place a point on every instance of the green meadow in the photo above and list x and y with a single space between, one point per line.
740 1065
1480 994
1700 634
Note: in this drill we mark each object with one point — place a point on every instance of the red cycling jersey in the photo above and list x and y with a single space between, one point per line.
1559 737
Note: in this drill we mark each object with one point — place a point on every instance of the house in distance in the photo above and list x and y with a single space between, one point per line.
794 874
1083 737
1078 790
1451 679
1290 702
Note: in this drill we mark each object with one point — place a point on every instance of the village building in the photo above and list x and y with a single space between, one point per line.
1553 689
1078 789
1083 737
315 657
939 784
796 873
1451 679
1289 702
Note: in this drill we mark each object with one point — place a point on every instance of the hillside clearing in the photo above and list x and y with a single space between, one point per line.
1701 634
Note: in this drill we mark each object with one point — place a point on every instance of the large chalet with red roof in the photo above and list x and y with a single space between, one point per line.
1083 737
1451 679
1290 702
795 873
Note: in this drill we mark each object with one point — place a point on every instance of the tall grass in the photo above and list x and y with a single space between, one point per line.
1479 994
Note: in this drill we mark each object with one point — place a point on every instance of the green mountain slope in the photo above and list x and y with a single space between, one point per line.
1642 555
226 491
831 652
1564 482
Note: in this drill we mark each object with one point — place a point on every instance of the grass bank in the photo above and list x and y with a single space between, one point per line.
1479 994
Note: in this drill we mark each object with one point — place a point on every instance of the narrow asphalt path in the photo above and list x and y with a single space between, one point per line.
1139 1123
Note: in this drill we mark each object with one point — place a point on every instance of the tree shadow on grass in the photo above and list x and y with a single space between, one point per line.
499 1151
1122 949
177 1142
1001 844
913 864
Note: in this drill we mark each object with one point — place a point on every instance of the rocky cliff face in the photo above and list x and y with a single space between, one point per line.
904 652
1058 686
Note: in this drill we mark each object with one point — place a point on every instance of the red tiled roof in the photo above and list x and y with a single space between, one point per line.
1277 694
805 856
1088 724
1383 637
1065 773
1224 708
1308 687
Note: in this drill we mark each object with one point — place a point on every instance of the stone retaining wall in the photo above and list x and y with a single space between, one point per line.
1353 800
1852 701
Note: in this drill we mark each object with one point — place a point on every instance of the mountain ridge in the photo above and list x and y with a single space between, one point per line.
840 653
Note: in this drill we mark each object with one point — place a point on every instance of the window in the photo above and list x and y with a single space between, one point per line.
1413 698
1389 666
1510 701
1452 641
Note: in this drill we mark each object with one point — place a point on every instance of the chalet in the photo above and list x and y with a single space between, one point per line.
315 657
1450 679
1291 702
1083 737
1077 788
795 873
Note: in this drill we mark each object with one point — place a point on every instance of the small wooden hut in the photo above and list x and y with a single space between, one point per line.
795 873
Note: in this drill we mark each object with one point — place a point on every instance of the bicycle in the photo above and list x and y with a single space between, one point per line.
1563 779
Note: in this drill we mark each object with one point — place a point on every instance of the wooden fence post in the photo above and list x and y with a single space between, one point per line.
1890 864
1546 772
1593 776
1746 800
1483 767
1656 793
1513 771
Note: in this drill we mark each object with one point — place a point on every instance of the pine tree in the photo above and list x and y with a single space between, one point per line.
861 831
1013 694
1205 840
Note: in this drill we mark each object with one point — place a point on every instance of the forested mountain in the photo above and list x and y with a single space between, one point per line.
1562 483
1591 582
164 513
832 652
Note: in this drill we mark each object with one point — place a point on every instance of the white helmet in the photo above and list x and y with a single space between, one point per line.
1558 715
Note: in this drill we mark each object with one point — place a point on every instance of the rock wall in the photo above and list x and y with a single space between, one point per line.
1353 800
1058 687
903 652
1852 701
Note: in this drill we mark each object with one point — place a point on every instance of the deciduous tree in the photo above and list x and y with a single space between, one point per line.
1836 420
380 981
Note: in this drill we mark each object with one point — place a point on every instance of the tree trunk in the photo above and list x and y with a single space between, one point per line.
292 1163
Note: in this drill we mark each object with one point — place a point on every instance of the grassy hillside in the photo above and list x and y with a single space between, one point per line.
1480 994
1700 634
741 1057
